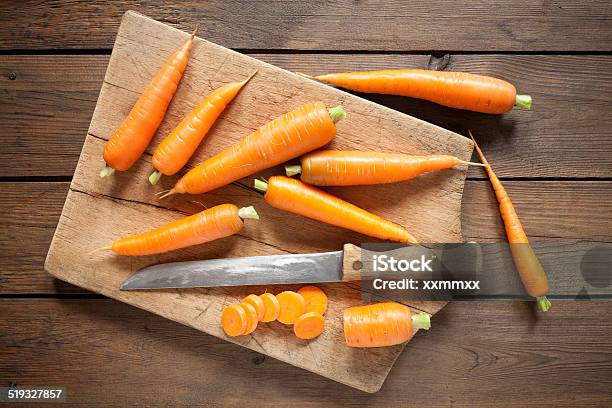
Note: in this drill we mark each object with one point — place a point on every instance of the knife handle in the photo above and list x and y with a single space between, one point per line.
351 263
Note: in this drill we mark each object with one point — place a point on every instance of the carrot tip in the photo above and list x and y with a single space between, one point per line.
305 75
543 303
195 30
106 171
293 170
100 249
248 213
247 79
154 177
260 185
523 102
472 163
337 113
421 321
166 194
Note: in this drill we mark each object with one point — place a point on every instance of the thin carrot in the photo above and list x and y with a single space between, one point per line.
455 89
134 134
176 149
316 299
251 318
234 320
272 307
292 306
258 304
214 223
294 196
350 168
382 324
295 133
309 325
529 268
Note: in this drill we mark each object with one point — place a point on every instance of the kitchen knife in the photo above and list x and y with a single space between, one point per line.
338 266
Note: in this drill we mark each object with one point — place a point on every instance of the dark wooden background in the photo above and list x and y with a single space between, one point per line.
556 162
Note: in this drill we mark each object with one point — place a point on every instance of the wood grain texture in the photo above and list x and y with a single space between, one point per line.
45 110
566 25
103 210
509 357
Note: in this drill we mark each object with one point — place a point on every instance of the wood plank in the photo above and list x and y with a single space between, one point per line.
130 357
547 209
100 210
48 106
390 25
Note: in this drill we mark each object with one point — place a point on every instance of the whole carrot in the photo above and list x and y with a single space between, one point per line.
529 268
134 134
300 131
455 89
208 225
382 324
176 149
294 196
350 168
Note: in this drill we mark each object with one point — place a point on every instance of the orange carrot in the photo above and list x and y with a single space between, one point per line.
381 324
309 325
258 304
300 131
134 134
350 168
176 149
316 300
251 318
294 196
272 307
455 89
529 268
214 223
234 320
292 306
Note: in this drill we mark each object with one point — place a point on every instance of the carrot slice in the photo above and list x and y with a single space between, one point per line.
292 306
272 307
316 299
258 304
251 318
234 320
309 325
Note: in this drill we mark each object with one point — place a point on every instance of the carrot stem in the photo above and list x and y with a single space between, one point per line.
106 171
421 321
154 177
260 185
523 102
293 170
248 212
337 113
543 303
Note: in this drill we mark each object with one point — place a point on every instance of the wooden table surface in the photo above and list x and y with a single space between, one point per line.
556 162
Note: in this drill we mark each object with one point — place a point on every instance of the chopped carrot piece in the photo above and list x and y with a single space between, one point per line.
309 325
272 307
234 320
316 300
251 318
292 306
258 304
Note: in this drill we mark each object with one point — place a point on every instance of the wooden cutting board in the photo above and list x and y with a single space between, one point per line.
99 211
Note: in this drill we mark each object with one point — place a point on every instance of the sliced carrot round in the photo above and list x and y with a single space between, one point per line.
316 299
251 318
258 304
292 306
272 307
309 325
234 320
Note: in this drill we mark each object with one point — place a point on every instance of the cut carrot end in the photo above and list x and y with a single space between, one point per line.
523 102
260 185
106 171
248 212
543 303
293 170
169 193
421 321
337 113
154 177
